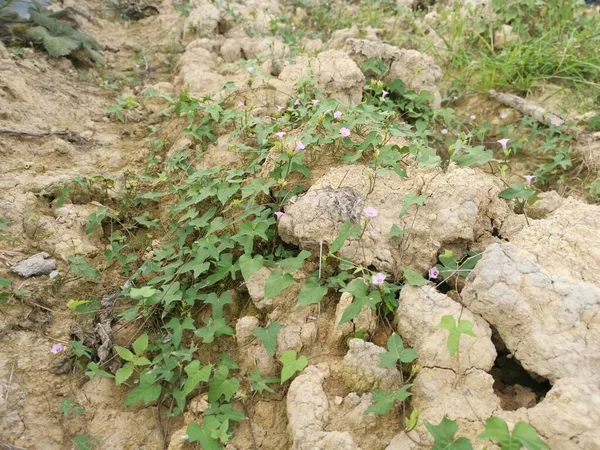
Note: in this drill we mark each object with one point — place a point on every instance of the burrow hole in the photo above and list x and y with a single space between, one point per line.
515 387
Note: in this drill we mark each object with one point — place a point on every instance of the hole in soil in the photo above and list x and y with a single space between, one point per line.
515 387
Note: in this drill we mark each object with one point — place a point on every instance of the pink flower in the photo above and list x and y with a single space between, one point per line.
56 349
278 214
433 273
370 212
473 117
240 104
384 94
529 178
378 279
337 114
297 102
444 131
280 108
503 116
315 102
345 132
503 142
300 146
280 134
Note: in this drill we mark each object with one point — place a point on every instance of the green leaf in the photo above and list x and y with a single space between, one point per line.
396 231
411 199
147 391
198 265
276 283
213 328
443 435
123 373
346 231
125 353
221 386
145 292
295 263
196 374
93 369
517 190
362 298
268 336
5 283
312 292
57 46
414 278
178 328
396 352
218 302
383 401
250 265
259 384
291 365
496 429
140 344
196 433
464 327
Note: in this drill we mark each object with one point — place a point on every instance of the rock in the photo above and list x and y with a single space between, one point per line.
362 372
336 74
40 264
438 393
417 70
307 408
256 288
370 431
203 18
462 211
420 311
231 50
339 37
504 36
402 442
197 71
366 321
244 328
548 202
541 292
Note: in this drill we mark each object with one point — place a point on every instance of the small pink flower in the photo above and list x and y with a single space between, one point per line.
337 114
297 102
56 349
300 146
345 132
503 116
278 214
473 117
315 102
433 273
280 134
444 131
280 108
370 212
240 104
378 279
384 94
503 142
529 178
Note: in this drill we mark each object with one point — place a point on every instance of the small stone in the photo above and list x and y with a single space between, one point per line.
39 264
87 134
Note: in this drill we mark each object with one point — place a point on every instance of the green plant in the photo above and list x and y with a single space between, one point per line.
68 407
58 37
455 330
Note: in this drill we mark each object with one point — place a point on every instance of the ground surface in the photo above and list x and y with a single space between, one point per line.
100 167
